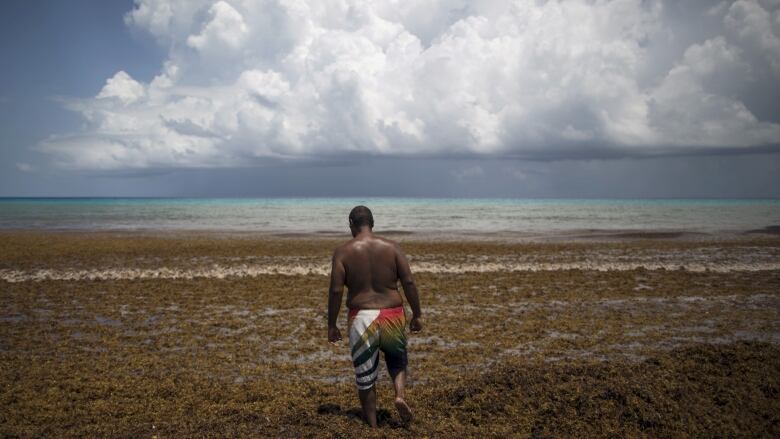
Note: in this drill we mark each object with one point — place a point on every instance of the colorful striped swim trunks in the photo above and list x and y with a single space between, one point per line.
372 330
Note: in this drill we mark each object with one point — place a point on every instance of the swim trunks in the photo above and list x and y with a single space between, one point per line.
372 330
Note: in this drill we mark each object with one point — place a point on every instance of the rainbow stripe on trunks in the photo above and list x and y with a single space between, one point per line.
372 330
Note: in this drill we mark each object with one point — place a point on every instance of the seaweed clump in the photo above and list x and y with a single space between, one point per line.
699 391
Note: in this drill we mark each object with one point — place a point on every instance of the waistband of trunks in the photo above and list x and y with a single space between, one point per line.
386 312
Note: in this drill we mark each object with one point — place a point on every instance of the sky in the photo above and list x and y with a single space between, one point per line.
485 98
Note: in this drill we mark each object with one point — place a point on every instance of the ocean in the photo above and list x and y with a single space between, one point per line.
399 215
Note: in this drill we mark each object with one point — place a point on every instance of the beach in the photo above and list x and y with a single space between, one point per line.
182 334
587 193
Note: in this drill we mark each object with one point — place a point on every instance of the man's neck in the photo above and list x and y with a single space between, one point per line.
365 232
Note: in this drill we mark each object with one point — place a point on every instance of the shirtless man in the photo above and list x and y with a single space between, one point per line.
371 267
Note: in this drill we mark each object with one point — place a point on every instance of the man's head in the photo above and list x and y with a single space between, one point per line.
360 216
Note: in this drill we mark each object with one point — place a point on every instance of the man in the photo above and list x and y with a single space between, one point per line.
371 267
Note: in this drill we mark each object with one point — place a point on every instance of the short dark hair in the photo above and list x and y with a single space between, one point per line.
361 216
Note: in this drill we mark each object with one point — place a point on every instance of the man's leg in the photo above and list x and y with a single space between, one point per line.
394 346
368 402
399 382
364 344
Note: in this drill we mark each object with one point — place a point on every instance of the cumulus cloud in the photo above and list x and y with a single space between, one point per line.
225 29
246 81
757 24
122 87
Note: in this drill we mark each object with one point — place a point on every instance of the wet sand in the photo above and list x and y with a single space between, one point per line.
206 334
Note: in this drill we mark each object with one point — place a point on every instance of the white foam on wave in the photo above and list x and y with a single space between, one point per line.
216 271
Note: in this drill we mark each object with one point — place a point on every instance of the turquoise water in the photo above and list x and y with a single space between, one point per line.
293 215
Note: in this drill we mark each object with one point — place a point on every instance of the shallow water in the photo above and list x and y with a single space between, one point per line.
400 215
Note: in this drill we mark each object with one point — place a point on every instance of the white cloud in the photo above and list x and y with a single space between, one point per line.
688 112
757 27
225 29
167 20
122 87
246 81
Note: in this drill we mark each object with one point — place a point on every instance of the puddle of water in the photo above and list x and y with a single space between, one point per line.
107 321
305 358
13 318
435 340
562 335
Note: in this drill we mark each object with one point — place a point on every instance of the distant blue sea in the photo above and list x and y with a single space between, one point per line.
325 215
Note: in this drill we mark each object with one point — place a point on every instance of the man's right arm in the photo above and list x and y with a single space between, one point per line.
337 278
410 289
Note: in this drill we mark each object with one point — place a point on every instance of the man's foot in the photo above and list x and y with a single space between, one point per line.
403 410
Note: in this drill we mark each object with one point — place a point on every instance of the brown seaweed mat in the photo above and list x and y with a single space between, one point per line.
618 351
699 391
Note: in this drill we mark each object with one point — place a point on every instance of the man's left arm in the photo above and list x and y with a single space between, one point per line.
335 292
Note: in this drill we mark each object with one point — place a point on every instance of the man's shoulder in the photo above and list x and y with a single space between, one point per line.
341 249
385 240
344 248
352 243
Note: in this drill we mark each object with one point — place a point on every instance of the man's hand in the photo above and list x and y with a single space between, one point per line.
415 325
334 335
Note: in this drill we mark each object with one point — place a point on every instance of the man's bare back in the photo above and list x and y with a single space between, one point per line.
371 267
372 278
